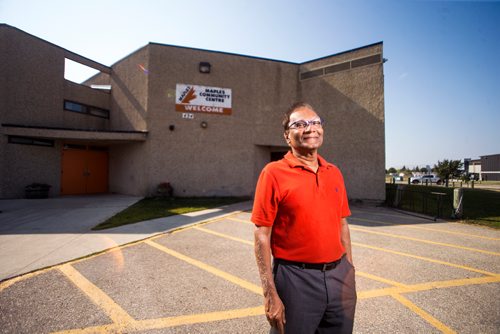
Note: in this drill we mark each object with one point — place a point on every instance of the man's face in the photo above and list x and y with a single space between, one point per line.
309 138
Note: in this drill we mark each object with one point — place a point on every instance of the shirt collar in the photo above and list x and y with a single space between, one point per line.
292 161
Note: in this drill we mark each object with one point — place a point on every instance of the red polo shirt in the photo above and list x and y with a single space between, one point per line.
304 208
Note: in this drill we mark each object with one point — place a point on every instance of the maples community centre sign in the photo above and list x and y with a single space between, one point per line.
193 98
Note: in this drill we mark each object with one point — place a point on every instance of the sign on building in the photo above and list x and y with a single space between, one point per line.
212 100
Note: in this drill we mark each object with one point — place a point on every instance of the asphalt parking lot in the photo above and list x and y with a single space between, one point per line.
413 276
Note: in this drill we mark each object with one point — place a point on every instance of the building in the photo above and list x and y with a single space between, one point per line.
490 167
486 168
205 121
473 168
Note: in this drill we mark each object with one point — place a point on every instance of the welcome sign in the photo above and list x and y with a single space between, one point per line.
212 100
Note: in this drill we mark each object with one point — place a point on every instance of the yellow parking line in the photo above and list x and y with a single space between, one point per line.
353 228
369 276
379 249
363 274
201 318
396 224
223 235
114 311
231 278
160 323
241 220
426 316
423 228
367 294
449 264
11 281
397 287
376 248
5 284
453 283
381 279
405 215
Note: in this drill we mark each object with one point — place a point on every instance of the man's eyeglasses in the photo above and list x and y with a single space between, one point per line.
300 125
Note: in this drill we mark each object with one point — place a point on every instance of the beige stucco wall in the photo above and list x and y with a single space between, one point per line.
88 96
352 104
3 166
224 159
221 159
32 93
34 76
27 164
3 106
128 164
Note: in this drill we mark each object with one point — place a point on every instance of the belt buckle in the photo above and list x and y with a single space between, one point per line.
325 267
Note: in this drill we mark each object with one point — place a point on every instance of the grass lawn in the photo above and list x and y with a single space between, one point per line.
157 207
482 207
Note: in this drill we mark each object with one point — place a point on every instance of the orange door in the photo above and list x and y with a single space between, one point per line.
73 171
84 170
97 172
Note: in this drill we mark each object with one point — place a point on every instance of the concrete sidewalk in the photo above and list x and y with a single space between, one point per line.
39 233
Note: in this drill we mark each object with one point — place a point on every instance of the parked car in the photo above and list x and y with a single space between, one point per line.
429 178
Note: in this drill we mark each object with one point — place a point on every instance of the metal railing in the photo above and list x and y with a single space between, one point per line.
437 203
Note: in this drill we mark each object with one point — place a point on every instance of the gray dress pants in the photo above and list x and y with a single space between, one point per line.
317 301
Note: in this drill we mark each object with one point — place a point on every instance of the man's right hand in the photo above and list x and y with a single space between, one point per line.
275 312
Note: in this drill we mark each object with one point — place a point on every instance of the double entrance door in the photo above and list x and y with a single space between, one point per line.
84 169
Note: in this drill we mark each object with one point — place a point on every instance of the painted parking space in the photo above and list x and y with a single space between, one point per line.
413 276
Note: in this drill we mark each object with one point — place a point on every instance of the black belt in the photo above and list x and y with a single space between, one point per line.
317 266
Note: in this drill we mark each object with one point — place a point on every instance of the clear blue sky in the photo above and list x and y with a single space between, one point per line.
442 80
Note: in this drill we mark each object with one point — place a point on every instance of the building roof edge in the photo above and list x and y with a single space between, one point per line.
223 52
67 52
343 52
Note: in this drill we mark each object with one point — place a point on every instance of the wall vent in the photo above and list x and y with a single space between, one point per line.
366 61
338 67
374 59
311 74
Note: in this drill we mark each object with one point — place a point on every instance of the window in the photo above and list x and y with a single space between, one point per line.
85 109
99 112
31 141
76 107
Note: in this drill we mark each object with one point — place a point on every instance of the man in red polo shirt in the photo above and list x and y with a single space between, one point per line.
300 211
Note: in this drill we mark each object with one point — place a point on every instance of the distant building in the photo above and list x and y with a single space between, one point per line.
204 121
486 168
472 167
490 167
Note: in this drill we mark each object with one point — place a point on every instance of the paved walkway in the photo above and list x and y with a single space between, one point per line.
413 276
39 233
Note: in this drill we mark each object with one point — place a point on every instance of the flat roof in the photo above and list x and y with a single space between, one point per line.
73 134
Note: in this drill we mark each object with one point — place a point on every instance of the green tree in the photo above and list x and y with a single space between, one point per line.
448 168
392 170
423 170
